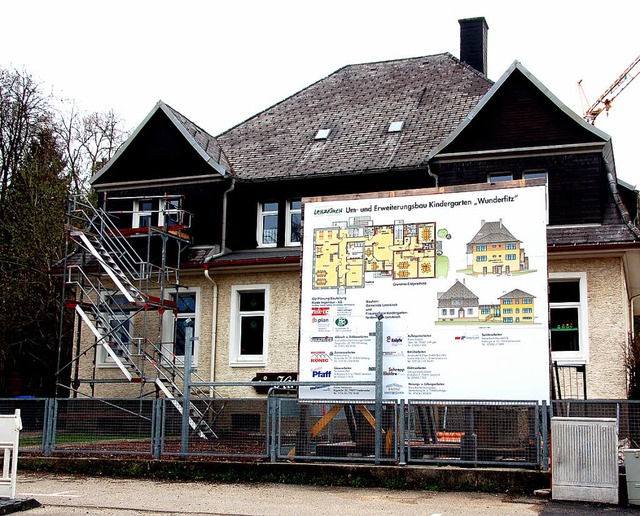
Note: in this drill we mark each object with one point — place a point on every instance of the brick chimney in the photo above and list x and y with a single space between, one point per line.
473 43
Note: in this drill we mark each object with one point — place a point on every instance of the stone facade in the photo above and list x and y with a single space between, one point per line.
609 322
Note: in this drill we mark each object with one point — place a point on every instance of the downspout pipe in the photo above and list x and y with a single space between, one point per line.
613 187
214 307
434 176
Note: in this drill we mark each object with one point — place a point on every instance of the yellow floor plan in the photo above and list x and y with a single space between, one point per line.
345 252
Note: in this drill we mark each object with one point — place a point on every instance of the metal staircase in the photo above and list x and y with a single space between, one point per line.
108 307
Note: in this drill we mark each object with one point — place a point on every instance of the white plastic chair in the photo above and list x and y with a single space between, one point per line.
10 426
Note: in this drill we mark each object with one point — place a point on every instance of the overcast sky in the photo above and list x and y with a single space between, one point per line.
219 63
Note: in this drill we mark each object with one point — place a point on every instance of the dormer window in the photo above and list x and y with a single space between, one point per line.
322 134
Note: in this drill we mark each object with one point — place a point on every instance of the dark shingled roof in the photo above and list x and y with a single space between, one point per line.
587 235
207 142
430 95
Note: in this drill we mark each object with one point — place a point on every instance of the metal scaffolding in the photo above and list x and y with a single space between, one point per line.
113 274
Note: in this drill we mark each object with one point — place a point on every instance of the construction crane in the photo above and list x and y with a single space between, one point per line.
604 102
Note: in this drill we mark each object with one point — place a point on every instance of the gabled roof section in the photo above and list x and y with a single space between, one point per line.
430 95
516 294
457 292
493 232
518 112
165 146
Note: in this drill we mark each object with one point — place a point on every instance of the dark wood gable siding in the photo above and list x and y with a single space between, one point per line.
576 183
519 115
243 202
159 151
203 200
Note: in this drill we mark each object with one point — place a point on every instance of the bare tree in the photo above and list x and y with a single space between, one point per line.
45 155
89 140
24 112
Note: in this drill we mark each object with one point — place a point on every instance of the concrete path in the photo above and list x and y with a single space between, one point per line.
70 495
74 495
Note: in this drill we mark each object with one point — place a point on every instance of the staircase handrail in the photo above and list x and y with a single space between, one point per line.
99 223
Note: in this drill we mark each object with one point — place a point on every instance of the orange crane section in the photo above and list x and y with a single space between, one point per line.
604 102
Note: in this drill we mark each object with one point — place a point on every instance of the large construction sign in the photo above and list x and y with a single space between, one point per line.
459 280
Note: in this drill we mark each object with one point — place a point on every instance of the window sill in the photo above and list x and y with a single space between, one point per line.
568 362
110 365
248 364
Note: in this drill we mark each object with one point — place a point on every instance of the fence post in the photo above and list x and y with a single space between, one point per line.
378 445
271 424
545 435
156 427
186 392
46 426
401 431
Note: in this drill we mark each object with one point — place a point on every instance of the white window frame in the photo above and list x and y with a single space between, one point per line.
491 177
138 213
174 210
581 356
235 358
261 215
103 358
168 327
292 211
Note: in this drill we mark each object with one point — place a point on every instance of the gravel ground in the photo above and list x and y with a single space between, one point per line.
72 495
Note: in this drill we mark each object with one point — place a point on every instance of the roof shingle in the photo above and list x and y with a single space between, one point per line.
431 95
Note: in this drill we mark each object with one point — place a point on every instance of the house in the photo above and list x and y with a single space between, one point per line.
517 307
494 250
424 122
457 303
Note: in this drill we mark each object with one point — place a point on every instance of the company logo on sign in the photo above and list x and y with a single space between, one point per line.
319 320
327 211
395 387
394 340
342 322
321 339
320 310
321 374
467 337
316 387
319 356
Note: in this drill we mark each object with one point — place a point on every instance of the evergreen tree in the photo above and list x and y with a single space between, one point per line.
32 239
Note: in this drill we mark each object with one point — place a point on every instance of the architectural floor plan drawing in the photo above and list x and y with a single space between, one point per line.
346 251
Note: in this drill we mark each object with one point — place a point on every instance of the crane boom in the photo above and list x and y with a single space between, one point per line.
604 102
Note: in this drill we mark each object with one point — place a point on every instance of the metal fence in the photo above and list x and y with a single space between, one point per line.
627 413
284 428
505 433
